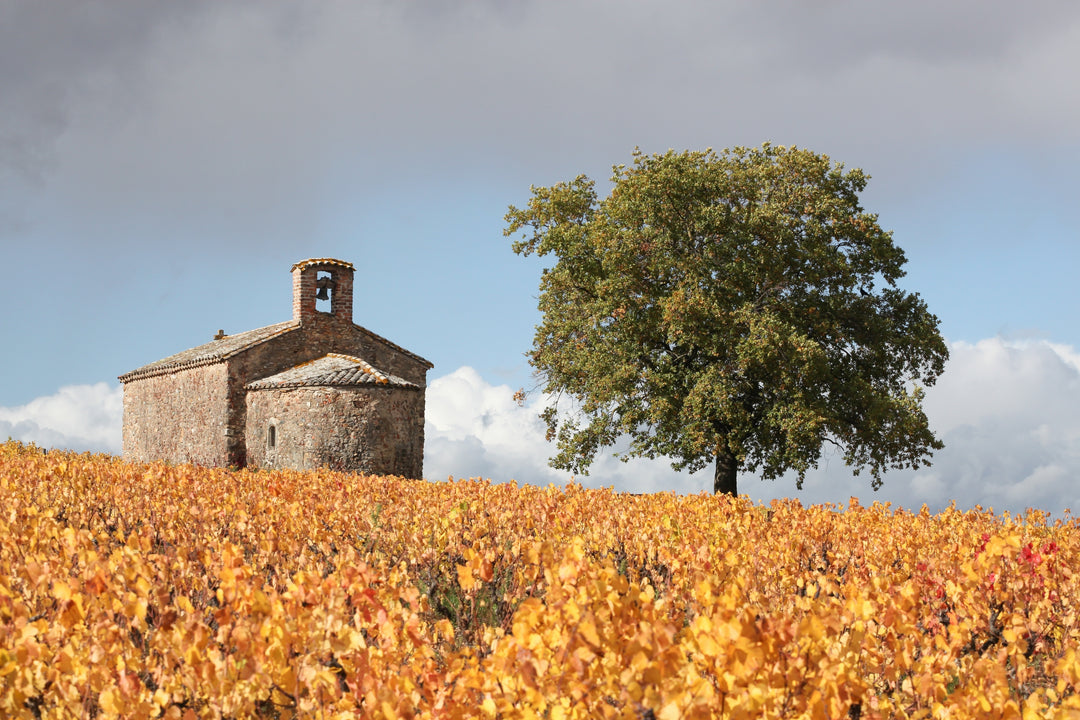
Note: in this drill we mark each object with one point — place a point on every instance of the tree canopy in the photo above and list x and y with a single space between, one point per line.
739 309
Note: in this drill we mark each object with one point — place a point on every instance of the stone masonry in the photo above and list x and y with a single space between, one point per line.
316 391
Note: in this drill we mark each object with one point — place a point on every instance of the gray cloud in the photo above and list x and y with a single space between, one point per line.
143 143
60 59
254 120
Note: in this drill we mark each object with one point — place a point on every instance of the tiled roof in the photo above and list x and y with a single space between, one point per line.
323 261
212 352
332 369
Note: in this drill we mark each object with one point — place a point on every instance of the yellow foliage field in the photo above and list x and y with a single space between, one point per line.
142 591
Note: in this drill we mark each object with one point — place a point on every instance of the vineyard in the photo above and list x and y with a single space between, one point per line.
143 591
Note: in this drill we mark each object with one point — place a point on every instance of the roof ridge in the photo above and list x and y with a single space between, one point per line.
322 371
215 351
225 347
364 365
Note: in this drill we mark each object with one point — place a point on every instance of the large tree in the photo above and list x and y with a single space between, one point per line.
738 308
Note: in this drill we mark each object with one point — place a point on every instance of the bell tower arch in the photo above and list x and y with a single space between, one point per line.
322 279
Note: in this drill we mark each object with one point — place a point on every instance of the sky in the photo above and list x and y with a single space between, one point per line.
163 165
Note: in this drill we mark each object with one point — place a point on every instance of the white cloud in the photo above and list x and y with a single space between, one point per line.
1009 413
76 417
475 429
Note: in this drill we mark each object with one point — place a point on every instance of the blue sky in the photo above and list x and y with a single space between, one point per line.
163 165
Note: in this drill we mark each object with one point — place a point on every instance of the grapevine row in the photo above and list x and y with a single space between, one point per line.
184 592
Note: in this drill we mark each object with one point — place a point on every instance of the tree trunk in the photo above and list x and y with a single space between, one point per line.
725 479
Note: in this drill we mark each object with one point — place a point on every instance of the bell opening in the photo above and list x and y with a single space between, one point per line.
324 284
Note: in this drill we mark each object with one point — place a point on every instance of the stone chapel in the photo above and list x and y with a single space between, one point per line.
314 391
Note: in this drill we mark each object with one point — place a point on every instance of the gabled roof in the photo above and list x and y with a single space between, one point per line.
229 345
212 352
332 369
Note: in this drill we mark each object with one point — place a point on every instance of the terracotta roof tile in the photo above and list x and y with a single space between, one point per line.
324 261
212 352
331 369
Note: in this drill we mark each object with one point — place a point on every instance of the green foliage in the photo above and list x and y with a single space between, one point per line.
738 308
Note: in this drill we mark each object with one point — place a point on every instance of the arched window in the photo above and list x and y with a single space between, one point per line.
271 437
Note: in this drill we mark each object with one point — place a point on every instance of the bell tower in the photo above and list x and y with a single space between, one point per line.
326 281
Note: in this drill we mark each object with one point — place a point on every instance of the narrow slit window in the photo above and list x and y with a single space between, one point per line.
271 437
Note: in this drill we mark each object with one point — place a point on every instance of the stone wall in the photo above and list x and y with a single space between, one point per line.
321 335
324 334
363 428
201 414
179 417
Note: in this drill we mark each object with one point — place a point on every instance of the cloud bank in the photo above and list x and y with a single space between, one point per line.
475 429
241 118
1009 413
76 417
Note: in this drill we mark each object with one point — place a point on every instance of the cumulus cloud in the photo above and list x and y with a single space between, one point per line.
1009 413
475 429
76 417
